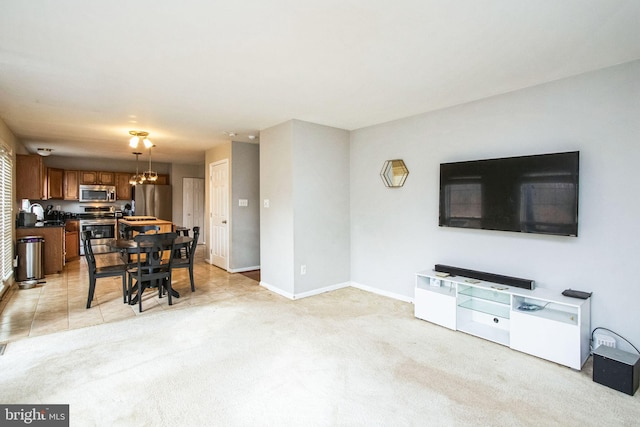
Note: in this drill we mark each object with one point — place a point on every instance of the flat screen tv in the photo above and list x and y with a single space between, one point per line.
528 194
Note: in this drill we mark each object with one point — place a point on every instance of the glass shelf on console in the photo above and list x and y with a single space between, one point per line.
483 300
487 307
550 310
485 294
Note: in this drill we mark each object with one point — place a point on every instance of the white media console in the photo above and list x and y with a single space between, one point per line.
539 322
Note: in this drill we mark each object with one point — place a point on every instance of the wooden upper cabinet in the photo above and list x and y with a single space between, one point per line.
102 178
162 179
55 177
31 178
123 188
70 185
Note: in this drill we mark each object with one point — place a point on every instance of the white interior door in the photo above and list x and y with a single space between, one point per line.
187 202
193 204
219 200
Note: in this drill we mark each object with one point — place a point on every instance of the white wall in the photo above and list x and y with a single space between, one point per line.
304 173
394 232
276 221
245 220
321 206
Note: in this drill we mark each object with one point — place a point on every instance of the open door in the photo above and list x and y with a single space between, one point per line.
219 214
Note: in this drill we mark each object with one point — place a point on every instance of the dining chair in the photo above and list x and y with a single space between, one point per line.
152 270
140 229
96 272
187 262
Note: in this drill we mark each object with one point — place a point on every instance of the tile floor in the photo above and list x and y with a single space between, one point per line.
60 303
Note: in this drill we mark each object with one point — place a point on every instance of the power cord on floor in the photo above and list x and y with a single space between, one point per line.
617 334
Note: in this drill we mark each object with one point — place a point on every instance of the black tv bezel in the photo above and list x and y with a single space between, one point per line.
575 158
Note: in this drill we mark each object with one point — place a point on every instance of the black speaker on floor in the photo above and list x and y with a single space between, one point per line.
616 369
487 277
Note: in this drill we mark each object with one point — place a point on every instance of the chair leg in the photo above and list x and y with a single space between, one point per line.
168 285
92 288
124 288
129 289
193 286
140 290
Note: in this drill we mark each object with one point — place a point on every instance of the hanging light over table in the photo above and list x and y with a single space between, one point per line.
150 174
138 178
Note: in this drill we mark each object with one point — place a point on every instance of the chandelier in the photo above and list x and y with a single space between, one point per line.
148 175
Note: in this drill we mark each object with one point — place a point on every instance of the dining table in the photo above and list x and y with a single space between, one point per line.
130 246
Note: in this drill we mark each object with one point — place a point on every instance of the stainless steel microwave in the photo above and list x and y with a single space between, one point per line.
97 193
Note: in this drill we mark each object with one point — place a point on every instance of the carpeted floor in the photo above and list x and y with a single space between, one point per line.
348 358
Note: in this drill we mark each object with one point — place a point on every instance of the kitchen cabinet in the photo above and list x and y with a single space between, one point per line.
31 177
162 180
70 185
123 188
102 178
72 240
53 245
55 178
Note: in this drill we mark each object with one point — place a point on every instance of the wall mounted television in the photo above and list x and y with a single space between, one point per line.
528 194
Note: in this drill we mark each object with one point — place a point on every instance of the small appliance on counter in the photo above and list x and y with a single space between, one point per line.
26 219
30 215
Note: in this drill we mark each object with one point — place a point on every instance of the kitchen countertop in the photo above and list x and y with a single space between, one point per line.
40 226
144 222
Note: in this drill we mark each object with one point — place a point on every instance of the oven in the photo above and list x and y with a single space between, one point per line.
102 222
102 230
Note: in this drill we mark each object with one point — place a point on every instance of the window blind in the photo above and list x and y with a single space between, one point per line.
6 184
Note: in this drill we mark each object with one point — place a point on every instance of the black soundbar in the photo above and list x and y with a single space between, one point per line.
487 277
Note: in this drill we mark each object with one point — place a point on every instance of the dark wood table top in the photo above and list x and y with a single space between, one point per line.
132 246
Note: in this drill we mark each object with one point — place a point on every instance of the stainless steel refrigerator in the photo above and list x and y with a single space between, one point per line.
152 200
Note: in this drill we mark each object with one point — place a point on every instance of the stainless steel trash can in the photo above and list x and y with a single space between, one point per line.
30 260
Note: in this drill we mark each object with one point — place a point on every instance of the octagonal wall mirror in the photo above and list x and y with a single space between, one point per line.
394 173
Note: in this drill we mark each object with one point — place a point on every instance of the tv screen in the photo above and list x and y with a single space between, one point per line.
529 194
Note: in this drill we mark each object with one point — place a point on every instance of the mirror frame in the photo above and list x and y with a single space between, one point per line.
394 173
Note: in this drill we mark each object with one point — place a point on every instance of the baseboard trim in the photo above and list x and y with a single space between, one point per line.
382 293
243 269
304 294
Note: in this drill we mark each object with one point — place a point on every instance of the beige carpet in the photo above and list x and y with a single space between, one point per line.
348 358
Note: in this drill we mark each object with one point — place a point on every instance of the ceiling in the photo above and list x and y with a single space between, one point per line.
76 76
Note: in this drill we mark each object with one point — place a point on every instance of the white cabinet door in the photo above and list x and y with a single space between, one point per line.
436 305
546 338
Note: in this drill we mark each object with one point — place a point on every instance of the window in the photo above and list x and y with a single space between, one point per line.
6 184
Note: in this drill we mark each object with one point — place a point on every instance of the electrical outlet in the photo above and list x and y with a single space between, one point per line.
303 269
266 203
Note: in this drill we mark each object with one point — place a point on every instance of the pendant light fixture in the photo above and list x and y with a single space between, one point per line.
150 175
137 178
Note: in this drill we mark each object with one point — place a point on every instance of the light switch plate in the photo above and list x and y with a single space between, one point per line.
243 202
266 203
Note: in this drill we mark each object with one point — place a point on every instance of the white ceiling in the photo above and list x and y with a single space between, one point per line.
77 75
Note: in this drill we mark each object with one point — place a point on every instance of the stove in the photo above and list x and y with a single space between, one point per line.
102 222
